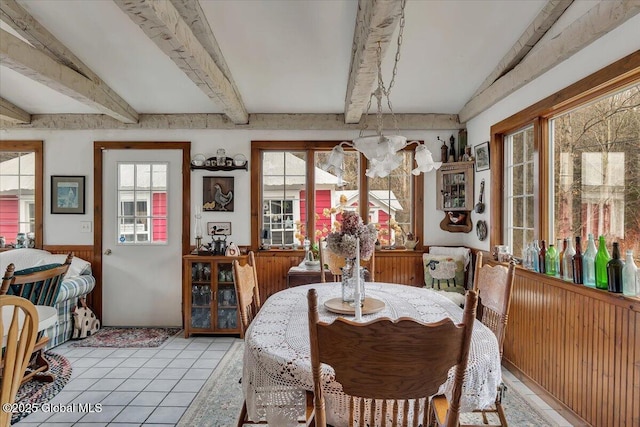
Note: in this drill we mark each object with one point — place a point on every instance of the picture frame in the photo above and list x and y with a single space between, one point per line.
482 156
219 228
67 194
218 194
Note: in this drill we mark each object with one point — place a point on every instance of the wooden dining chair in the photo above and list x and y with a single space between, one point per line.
245 278
335 264
493 285
19 338
247 291
390 367
40 285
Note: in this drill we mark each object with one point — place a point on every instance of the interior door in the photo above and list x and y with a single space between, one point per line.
142 224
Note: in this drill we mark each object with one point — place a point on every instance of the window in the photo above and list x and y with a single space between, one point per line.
287 207
142 200
595 169
519 196
21 190
570 164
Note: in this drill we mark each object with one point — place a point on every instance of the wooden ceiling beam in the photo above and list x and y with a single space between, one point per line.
310 122
375 23
599 20
32 63
532 35
28 27
163 24
12 113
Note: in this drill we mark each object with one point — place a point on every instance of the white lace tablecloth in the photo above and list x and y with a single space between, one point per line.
277 364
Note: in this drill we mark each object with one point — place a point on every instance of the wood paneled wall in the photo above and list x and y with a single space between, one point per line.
580 344
81 251
392 266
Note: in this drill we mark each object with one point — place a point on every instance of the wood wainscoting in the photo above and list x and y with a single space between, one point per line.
580 344
391 266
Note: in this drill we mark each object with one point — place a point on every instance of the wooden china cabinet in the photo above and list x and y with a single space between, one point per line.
209 302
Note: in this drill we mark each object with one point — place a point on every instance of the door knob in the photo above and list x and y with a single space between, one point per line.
107 252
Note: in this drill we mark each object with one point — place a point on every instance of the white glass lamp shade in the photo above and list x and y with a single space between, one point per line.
378 146
335 161
383 167
424 159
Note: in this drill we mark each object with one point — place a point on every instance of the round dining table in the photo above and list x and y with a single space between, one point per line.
277 361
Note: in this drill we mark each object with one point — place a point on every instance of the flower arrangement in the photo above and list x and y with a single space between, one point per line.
343 241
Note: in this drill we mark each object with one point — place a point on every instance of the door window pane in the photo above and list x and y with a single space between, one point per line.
142 203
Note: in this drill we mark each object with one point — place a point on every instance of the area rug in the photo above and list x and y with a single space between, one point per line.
36 392
219 401
127 337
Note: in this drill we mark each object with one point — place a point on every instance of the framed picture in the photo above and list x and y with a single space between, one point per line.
67 194
219 228
482 156
217 193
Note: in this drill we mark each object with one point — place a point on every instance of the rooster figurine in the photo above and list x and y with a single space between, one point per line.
222 199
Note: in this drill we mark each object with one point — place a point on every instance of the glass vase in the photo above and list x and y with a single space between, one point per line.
349 281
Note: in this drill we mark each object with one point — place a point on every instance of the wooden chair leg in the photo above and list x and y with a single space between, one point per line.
243 414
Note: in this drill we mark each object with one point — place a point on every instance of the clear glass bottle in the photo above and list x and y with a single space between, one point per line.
561 243
629 275
535 253
567 266
528 260
551 261
589 263
614 270
577 263
602 258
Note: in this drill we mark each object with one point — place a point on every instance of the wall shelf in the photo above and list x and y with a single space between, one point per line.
221 168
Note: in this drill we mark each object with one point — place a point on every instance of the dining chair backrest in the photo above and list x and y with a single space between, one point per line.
406 362
20 335
247 292
39 284
493 285
335 264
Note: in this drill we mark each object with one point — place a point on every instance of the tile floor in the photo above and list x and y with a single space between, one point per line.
152 387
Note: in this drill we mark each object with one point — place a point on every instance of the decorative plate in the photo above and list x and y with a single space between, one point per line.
481 229
336 305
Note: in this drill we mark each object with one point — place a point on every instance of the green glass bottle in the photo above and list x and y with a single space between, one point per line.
551 260
602 258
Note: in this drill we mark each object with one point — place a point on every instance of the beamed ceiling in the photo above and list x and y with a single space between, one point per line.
279 64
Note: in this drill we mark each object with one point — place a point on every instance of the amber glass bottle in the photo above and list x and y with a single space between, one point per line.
614 270
542 255
577 263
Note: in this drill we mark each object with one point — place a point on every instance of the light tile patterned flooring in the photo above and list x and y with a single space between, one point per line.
151 387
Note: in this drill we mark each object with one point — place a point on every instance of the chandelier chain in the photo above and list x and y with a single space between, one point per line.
395 65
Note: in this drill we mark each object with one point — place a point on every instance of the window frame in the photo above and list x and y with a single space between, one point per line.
609 79
310 147
38 148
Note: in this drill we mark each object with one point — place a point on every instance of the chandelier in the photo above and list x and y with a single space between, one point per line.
382 151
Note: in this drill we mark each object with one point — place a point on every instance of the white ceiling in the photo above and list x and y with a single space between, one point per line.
285 56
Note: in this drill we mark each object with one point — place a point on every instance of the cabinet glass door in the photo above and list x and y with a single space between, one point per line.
453 190
201 295
226 310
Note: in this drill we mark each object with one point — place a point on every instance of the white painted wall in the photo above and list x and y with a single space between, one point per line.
71 153
611 47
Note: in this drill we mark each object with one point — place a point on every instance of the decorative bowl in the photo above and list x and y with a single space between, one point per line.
198 160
